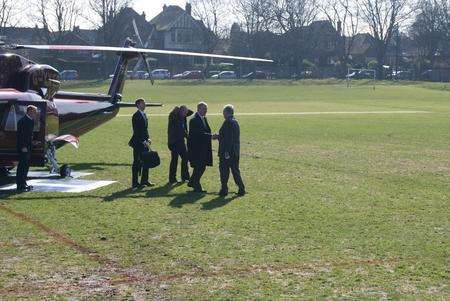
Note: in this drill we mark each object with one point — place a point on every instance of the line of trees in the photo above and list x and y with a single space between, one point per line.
257 22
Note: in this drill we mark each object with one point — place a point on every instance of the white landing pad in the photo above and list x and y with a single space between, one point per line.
45 182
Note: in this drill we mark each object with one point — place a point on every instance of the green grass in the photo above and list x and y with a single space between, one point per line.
339 206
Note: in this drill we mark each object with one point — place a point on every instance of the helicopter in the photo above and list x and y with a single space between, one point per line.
63 116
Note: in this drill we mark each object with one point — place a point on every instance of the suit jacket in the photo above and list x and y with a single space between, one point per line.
140 131
199 142
177 130
25 128
229 138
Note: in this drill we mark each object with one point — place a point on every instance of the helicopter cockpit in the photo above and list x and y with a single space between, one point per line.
25 76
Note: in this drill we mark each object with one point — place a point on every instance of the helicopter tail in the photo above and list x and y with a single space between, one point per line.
118 80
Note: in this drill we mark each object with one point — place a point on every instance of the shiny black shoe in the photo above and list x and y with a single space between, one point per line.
136 186
241 193
174 182
199 189
223 192
21 189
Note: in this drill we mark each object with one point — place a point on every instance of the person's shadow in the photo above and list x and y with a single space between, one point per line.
162 191
129 192
189 197
218 202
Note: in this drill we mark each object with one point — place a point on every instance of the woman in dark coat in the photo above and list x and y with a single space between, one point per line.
177 133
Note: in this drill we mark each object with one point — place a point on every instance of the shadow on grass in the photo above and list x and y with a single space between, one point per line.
96 166
218 202
162 191
189 197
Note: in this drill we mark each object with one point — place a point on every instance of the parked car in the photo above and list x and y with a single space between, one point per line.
69 75
193 74
361 74
160 74
401 75
427 75
225 75
256 75
211 73
140 75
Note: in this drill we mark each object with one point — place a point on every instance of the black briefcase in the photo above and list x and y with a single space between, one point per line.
150 159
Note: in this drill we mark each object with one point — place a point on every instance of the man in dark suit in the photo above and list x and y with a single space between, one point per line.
229 151
177 132
140 142
199 146
25 128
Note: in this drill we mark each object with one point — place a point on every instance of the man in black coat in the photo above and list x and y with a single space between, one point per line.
177 132
229 151
25 128
140 142
199 146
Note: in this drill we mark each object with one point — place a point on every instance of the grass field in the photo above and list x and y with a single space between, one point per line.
340 206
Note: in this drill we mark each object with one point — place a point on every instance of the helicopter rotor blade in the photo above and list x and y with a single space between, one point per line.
149 70
137 50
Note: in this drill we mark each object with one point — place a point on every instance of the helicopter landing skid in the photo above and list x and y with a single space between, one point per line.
64 171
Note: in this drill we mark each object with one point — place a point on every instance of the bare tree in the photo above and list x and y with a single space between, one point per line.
9 11
103 12
383 18
345 17
292 14
56 17
254 15
213 15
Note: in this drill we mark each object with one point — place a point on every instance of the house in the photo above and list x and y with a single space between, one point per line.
361 49
176 29
325 41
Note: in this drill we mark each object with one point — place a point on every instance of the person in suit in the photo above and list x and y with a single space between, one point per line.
177 132
199 146
229 151
140 142
25 128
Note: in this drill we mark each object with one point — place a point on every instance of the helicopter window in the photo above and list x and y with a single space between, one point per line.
16 112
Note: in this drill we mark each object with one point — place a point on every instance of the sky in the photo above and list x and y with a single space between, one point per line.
154 7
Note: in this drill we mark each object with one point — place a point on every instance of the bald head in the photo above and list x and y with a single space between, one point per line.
202 108
32 112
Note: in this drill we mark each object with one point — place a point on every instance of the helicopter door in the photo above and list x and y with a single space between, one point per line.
12 113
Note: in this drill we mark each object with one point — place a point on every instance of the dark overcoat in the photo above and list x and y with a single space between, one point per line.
199 142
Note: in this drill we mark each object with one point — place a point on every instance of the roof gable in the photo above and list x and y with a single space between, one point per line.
169 18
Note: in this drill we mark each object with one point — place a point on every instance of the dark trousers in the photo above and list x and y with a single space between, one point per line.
22 169
197 173
224 167
178 150
138 168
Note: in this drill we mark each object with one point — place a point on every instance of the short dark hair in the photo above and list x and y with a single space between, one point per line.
138 101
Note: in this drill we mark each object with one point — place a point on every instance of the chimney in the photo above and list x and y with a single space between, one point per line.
188 8
164 7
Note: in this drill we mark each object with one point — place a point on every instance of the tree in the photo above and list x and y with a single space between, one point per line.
382 17
345 17
10 11
56 17
212 14
288 15
103 12
6 12
430 29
